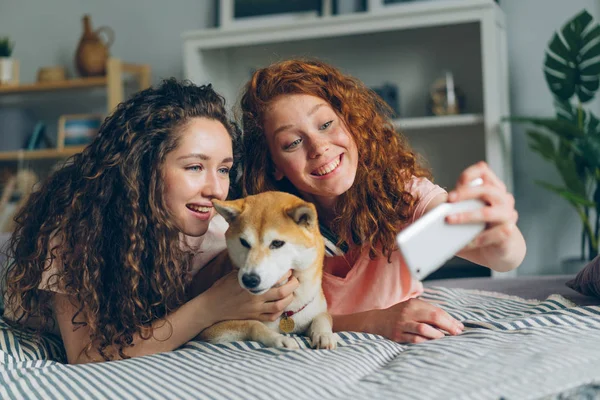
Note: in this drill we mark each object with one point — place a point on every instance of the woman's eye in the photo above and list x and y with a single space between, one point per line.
224 170
194 168
326 125
293 144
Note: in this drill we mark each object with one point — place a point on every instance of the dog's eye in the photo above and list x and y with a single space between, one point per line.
244 243
275 244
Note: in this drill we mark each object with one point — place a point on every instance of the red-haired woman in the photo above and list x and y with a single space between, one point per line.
315 132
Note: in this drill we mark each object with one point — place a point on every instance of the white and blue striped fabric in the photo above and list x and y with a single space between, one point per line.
511 349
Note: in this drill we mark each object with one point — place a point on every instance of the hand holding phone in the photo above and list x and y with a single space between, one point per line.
430 241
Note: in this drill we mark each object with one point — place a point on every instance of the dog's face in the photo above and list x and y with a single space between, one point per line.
269 234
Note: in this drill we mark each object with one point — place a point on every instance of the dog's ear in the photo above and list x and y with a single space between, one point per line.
304 214
230 210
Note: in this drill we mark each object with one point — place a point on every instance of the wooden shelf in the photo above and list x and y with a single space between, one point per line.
113 82
39 154
409 124
79 83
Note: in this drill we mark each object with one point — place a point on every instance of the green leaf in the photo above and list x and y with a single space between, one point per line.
567 168
587 147
542 144
565 148
573 198
559 126
597 196
589 150
572 65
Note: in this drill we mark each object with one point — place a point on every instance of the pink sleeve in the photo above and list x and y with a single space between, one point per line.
424 191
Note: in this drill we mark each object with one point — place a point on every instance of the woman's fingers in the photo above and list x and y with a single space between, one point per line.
272 310
440 319
489 194
410 338
278 293
274 307
284 278
416 310
489 215
480 170
420 329
495 235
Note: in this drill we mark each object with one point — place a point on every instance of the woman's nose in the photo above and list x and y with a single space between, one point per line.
213 187
318 147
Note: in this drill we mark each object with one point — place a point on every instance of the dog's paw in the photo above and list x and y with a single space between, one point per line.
324 340
285 342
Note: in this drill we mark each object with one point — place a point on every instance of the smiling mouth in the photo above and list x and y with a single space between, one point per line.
328 168
198 209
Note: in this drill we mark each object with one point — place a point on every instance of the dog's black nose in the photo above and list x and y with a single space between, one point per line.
251 280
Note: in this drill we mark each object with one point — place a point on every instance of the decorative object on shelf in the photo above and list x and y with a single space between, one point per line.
389 93
52 74
92 52
9 67
38 138
445 98
77 129
240 13
15 194
571 140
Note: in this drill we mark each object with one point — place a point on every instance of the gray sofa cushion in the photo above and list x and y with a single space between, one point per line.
587 281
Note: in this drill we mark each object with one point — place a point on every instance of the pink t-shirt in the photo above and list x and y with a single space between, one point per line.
375 284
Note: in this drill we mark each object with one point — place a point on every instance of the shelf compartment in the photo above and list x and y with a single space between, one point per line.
39 154
447 121
69 84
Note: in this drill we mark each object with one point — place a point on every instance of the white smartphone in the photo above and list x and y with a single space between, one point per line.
430 241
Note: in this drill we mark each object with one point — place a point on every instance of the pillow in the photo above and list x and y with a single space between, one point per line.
587 281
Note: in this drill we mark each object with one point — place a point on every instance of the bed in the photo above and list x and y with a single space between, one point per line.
512 348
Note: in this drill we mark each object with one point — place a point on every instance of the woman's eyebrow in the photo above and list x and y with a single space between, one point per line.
311 112
201 156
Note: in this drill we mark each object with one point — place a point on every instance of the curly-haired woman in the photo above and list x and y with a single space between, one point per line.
105 252
315 132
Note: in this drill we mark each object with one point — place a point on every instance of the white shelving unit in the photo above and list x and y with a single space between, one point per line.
410 46
450 121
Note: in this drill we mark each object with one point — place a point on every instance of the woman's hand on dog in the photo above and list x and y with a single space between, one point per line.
412 321
230 301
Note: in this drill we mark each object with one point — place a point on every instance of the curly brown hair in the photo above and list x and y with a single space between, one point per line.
371 211
120 252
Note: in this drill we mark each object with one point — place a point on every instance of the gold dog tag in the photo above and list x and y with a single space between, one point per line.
286 325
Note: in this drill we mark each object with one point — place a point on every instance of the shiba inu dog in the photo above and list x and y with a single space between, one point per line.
269 234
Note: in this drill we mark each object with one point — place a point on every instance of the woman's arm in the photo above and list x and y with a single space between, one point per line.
175 330
411 321
224 300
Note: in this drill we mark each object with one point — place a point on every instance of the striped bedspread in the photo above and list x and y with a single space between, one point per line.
511 349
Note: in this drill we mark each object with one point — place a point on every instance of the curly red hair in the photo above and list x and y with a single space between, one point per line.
371 211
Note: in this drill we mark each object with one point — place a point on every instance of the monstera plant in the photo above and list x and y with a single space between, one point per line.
571 140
